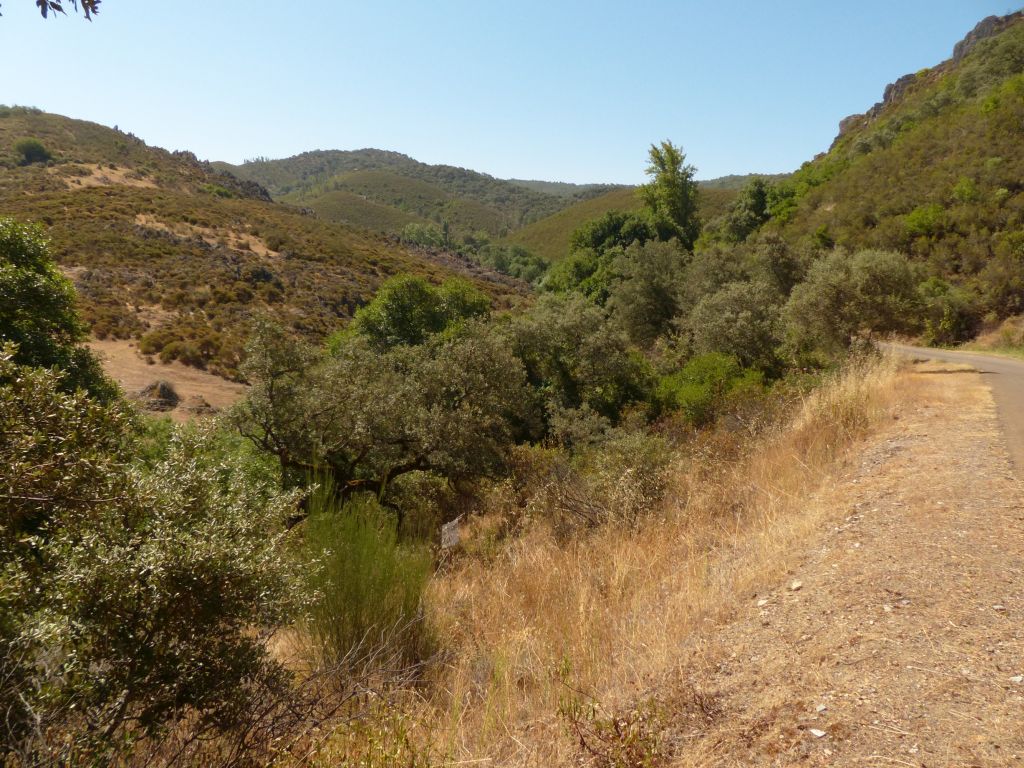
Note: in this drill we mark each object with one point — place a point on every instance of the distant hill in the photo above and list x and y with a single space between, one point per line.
468 200
181 255
935 169
739 181
549 237
567 190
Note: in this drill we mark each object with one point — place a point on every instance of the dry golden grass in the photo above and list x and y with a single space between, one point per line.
606 614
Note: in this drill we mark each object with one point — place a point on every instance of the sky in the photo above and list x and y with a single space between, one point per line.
565 90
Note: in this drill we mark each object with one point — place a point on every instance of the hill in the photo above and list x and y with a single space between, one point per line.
935 169
468 200
181 255
549 237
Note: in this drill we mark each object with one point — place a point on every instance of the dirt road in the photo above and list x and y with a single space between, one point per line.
898 639
1004 375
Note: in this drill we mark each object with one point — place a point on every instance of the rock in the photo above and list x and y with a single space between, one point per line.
197 406
1017 679
158 396
816 733
820 708
796 586
762 603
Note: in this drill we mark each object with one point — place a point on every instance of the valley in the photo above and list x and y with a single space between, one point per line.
342 458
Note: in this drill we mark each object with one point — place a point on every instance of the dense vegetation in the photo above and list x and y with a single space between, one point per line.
934 172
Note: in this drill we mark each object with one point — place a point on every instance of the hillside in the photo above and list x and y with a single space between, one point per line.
549 237
470 201
935 170
182 256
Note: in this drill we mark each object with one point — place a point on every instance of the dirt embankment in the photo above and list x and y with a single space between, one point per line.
123 363
899 638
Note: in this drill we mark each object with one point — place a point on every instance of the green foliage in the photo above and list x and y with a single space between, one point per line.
671 196
844 295
550 237
408 310
575 358
587 272
513 260
38 310
701 387
614 229
129 595
367 586
742 320
925 220
647 294
749 211
365 415
950 312
32 151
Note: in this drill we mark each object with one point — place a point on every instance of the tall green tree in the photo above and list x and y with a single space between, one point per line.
37 310
672 193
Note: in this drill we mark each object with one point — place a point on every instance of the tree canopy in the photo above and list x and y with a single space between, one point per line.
671 195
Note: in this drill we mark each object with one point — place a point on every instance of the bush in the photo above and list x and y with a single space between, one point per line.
134 600
37 312
368 587
741 320
700 389
844 295
407 310
32 151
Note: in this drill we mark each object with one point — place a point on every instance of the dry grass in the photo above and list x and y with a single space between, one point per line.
604 616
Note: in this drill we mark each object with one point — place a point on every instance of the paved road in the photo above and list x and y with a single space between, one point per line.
1005 376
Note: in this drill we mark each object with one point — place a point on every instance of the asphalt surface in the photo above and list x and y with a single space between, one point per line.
1004 376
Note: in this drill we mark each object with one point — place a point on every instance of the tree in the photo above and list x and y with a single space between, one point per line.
647 296
408 310
749 211
133 600
366 415
38 310
740 320
89 7
843 295
575 359
672 193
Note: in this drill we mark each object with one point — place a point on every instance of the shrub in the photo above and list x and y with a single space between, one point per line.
408 310
844 295
32 151
700 389
38 311
368 587
133 600
741 320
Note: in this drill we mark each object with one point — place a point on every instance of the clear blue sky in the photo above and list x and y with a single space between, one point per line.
571 90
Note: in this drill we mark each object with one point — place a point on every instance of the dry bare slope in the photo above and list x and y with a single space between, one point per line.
897 639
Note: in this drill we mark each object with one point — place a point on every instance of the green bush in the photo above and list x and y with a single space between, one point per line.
700 389
37 311
134 599
32 151
368 587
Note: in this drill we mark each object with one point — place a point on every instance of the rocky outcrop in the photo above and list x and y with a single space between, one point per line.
894 92
158 396
987 27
